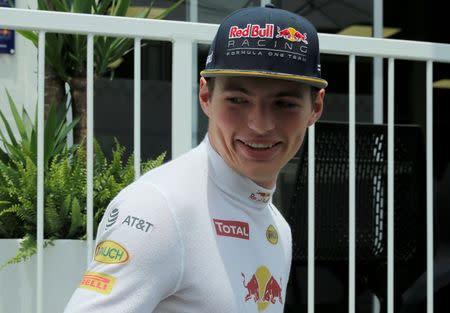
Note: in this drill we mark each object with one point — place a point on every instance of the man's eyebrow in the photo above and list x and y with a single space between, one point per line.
291 92
296 93
232 86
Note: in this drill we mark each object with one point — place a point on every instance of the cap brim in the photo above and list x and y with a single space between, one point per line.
312 81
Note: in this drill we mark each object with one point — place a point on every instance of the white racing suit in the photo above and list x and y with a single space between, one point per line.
190 236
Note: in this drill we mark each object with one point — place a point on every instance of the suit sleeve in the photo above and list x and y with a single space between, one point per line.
137 261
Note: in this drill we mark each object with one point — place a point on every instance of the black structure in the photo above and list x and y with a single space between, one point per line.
332 213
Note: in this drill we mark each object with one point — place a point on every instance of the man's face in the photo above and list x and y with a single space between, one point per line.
256 124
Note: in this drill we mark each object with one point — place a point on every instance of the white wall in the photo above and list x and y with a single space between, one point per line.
64 265
18 72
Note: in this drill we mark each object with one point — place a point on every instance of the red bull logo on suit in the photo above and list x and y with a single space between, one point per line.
262 288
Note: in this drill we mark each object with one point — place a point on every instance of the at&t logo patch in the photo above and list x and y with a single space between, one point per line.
138 223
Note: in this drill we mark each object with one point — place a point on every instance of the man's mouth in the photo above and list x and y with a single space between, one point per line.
259 146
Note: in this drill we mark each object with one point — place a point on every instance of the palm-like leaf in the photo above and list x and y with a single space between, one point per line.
24 145
66 53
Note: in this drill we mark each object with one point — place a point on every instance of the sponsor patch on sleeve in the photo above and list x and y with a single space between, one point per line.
111 252
98 282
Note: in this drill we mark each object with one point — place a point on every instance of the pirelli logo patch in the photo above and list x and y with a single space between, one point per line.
234 229
98 282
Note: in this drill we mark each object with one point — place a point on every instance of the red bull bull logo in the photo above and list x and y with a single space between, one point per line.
291 34
260 196
262 288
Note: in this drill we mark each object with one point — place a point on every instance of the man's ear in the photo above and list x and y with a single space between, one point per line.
204 96
317 107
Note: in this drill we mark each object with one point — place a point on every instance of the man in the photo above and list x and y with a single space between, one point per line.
200 233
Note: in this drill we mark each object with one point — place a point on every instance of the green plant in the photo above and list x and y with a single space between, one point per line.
23 146
64 185
66 58
66 54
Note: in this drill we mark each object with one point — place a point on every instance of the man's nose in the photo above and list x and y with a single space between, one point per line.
261 119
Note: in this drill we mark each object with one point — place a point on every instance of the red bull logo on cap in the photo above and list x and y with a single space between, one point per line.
251 31
291 34
262 288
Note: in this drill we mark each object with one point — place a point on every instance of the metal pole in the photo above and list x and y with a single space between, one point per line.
90 145
311 216
181 96
351 188
430 208
193 17
137 108
378 64
390 199
40 174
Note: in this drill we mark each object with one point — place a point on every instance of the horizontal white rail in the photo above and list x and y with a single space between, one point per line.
204 33
75 23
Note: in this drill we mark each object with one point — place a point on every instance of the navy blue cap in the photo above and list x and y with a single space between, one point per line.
266 42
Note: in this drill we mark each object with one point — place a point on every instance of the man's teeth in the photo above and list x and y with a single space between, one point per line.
259 145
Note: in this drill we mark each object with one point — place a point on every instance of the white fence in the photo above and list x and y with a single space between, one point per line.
183 35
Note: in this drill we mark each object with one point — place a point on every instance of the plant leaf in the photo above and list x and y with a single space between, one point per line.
169 10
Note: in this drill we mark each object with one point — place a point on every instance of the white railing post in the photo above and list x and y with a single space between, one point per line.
351 185
40 174
390 199
378 64
181 96
311 216
90 145
137 108
430 208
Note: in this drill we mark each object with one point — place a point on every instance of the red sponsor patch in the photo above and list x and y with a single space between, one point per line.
98 282
234 229
252 31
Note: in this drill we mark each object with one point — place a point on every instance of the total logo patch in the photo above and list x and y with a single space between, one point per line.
234 229
272 234
98 282
110 252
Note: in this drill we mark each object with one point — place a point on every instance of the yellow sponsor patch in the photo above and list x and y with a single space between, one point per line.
272 234
98 282
110 252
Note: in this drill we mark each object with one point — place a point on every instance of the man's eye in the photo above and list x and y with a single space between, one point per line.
285 104
236 100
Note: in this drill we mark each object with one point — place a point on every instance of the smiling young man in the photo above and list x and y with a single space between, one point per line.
200 233
258 124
